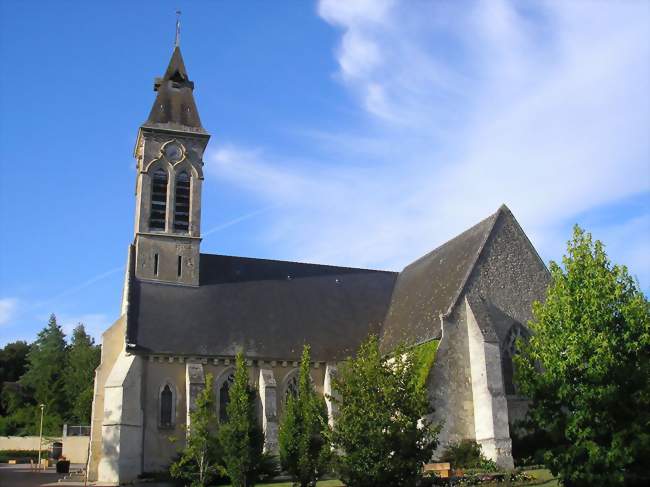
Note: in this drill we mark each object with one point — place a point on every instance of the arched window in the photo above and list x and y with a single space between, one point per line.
166 407
158 200
182 208
508 351
224 397
292 387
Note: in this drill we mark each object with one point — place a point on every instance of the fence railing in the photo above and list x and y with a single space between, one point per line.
76 430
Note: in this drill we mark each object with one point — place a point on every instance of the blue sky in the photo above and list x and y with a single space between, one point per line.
360 133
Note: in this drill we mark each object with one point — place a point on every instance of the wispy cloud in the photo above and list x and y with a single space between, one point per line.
78 287
543 106
8 307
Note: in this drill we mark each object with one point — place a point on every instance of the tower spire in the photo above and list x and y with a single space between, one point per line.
177 41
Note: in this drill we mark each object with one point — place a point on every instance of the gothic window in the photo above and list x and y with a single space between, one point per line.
508 351
292 387
224 397
182 208
158 200
166 407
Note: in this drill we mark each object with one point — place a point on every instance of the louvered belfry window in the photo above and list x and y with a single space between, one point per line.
182 209
158 200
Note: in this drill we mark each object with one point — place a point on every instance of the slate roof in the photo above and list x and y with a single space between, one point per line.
268 307
174 108
430 287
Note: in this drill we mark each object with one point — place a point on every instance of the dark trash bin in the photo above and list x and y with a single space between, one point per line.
63 466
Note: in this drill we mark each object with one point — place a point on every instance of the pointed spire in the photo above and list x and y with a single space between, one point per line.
177 42
174 108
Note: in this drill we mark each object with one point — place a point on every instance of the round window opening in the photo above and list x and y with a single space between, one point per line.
173 152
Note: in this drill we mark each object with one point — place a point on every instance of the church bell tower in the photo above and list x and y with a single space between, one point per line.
169 157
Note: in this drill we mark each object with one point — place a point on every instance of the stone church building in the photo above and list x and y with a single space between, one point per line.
185 314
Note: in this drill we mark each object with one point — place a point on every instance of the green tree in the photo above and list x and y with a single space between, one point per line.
586 370
44 376
200 460
380 428
13 363
240 436
303 430
82 359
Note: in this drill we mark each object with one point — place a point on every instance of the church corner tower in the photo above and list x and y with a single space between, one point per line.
169 158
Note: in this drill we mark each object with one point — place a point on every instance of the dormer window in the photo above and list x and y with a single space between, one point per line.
157 218
182 203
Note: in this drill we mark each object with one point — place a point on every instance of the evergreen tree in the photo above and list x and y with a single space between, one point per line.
380 429
586 369
241 437
82 360
13 363
44 376
199 462
303 445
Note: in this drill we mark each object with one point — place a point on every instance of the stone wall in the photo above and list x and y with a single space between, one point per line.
25 442
112 344
75 448
161 444
449 383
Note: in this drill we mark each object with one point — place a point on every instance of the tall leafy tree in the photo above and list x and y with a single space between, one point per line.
380 429
199 462
586 370
13 363
47 358
303 430
240 436
82 359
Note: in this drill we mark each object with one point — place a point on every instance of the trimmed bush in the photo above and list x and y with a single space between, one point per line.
23 456
467 454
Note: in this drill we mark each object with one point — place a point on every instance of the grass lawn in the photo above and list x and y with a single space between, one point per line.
543 477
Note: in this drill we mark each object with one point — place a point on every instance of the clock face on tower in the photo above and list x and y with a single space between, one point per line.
173 151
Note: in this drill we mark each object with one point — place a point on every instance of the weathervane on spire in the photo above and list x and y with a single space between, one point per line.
178 29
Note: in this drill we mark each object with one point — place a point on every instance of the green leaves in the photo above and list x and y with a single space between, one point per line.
381 429
241 437
587 368
200 460
303 429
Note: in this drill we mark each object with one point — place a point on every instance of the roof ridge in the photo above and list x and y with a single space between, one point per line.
450 240
302 263
503 208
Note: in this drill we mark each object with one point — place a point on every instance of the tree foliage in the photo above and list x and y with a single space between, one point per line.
81 361
303 430
44 376
13 363
240 436
587 369
47 372
381 430
200 460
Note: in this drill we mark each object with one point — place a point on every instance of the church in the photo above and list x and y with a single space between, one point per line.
185 314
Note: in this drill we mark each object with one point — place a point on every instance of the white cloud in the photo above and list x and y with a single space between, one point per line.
541 106
8 307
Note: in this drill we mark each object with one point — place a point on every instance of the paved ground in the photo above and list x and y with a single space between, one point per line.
22 476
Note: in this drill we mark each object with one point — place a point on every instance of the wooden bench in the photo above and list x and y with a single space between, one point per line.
438 469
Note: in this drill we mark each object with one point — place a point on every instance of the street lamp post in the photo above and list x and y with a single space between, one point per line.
40 436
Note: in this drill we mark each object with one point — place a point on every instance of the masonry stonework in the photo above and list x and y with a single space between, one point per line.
185 314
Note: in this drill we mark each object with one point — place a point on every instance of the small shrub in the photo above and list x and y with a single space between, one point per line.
467 454
21 455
